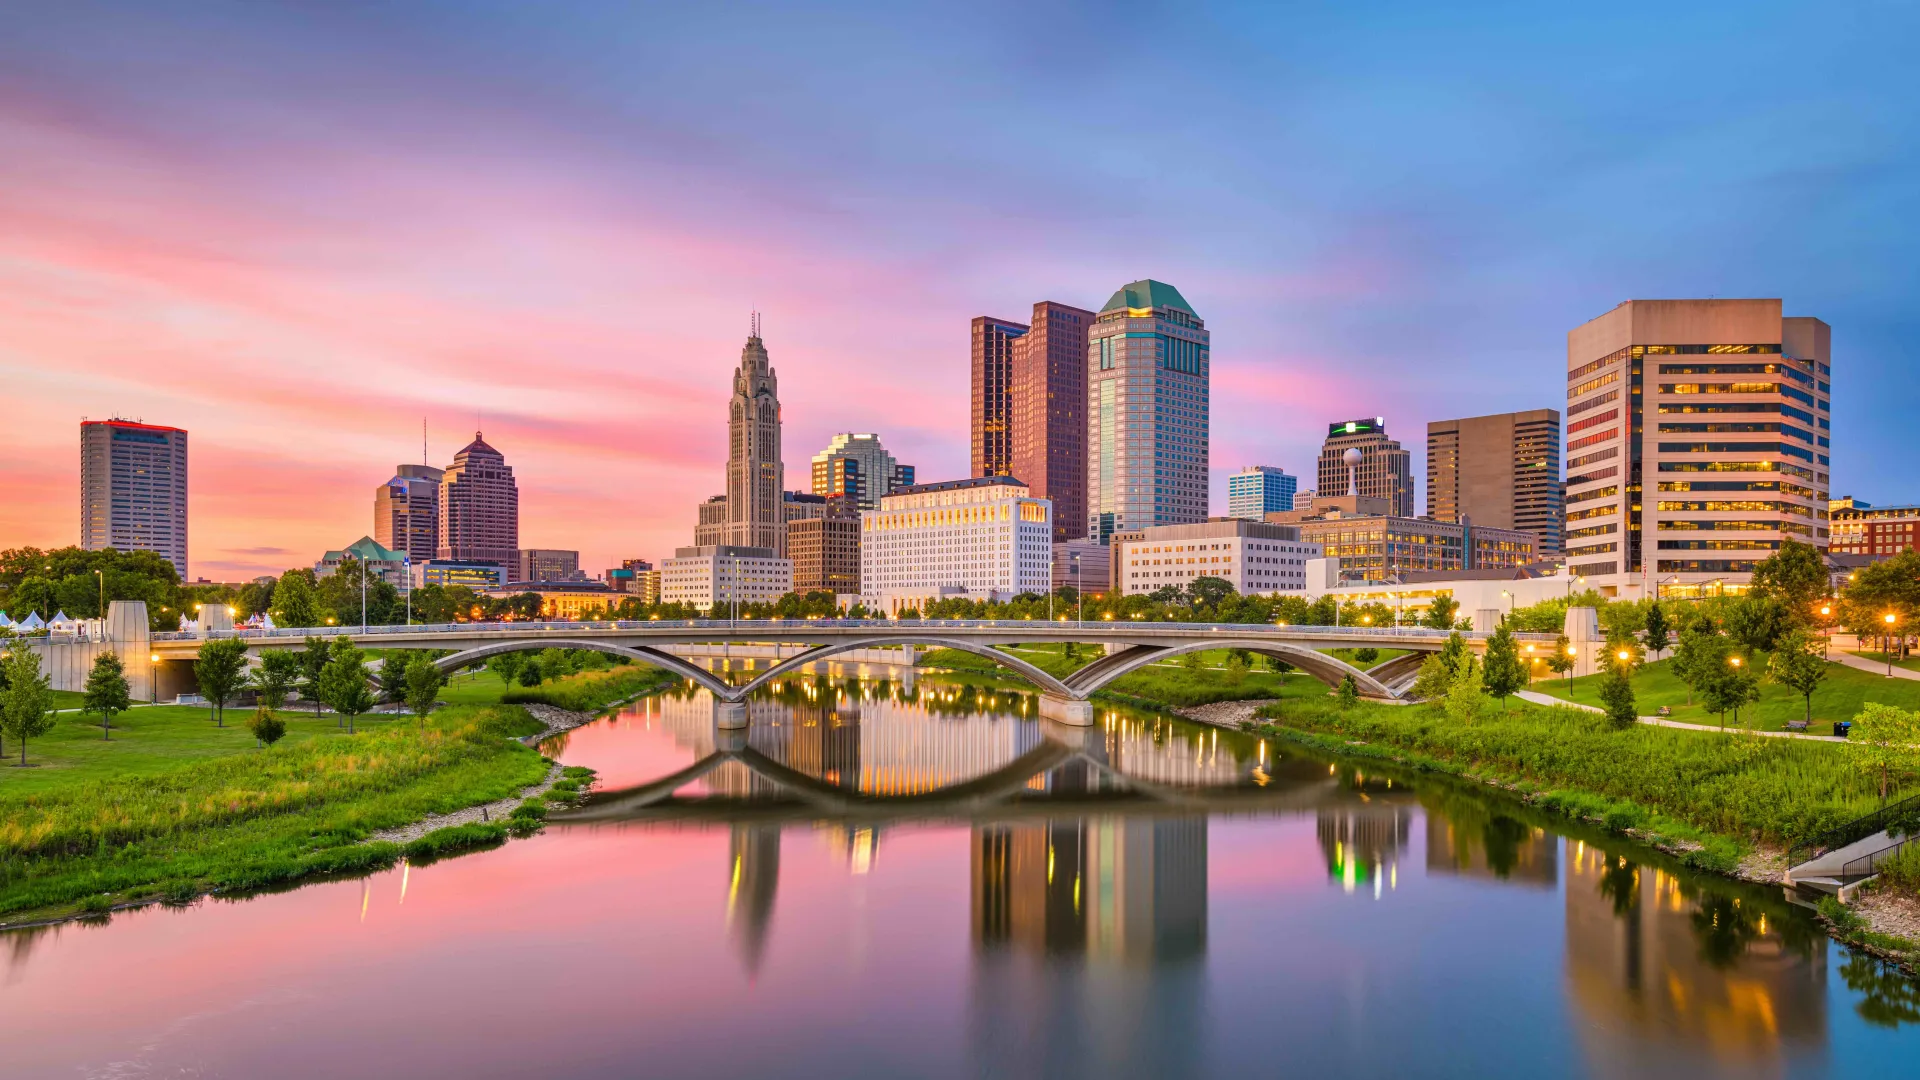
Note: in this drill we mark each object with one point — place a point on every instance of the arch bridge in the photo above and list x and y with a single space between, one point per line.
1130 646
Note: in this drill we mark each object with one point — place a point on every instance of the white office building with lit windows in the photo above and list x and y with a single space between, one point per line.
979 539
714 577
1251 556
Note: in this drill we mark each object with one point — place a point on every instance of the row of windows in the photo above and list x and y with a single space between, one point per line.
1593 421
1722 506
1593 440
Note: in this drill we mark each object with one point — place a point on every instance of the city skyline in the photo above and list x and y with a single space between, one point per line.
447 242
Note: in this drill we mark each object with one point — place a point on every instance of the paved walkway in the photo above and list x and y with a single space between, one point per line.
1877 667
1657 721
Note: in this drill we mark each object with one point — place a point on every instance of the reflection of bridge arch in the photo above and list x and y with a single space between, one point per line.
1328 669
643 654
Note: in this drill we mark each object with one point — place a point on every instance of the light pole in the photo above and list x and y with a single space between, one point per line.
1826 637
1735 661
1886 642
1509 596
363 596
1076 587
406 567
102 575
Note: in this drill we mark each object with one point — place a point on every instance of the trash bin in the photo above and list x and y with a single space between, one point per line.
1841 727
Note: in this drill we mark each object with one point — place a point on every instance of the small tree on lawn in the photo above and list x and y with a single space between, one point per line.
1701 657
267 728
1191 661
1616 696
1440 613
279 672
1465 696
1883 741
221 671
1657 632
1236 670
26 705
1503 673
424 681
1349 691
1562 659
1434 679
343 683
506 665
393 678
530 673
313 661
1797 663
107 691
1366 655
1455 653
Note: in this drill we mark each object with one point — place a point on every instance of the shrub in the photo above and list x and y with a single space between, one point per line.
454 838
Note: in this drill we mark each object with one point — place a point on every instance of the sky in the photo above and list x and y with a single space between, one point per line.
302 230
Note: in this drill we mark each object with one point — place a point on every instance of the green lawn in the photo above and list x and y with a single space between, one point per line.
1844 691
1168 682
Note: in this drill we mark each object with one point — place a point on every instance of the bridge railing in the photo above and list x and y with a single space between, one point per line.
754 626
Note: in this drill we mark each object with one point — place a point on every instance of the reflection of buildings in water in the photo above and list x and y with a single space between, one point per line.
1128 888
753 860
858 846
1469 839
1658 973
1089 938
1362 844
1154 750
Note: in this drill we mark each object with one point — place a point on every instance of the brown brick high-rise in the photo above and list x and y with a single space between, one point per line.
1050 413
992 406
479 507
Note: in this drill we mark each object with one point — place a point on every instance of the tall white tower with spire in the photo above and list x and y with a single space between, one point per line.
755 475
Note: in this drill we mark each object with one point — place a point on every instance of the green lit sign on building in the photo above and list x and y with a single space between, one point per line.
1357 427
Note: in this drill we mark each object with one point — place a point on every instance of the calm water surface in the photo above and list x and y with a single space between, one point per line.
889 881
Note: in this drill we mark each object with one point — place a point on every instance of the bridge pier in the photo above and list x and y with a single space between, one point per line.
1076 712
729 715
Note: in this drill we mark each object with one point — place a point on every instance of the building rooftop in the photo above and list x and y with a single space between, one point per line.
1147 294
552 587
366 549
958 485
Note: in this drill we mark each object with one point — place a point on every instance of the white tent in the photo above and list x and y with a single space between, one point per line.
4 620
62 624
31 622
266 622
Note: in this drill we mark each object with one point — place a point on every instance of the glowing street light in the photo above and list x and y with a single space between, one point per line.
1887 640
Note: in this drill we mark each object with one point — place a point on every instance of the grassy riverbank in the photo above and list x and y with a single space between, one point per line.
1838 698
174 807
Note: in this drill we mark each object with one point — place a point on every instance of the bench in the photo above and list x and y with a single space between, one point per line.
1796 725
1663 711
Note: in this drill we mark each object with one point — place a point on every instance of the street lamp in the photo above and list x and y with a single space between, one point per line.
153 679
1886 640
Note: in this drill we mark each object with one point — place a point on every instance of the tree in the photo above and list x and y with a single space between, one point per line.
1796 576
1366 655
26 706
1209 591
1440 613
1349 691
424 681
1434 679
279 672
1796 662
1562 660
1884 737
1454 653
393 680
506 665
530 673
267 728
107 691
1700 657
221 670
1236 670
1727 687
1757 622
1657 636
1503 673
343 682
256 598
293 599
1464 696
1191 661
1616 696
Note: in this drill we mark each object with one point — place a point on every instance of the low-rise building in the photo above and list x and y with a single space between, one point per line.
1255 557
714 577
547 564
1372 545
478 576
382 563
562 599
1087 565
982 539
825 552
1861 528
1480 595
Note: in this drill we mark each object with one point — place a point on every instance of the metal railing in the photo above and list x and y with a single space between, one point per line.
751 626
1903 815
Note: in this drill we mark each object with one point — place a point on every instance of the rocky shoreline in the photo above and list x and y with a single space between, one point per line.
1879 912
556 720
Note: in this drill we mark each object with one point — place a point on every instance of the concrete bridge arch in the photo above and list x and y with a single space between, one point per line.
1328 669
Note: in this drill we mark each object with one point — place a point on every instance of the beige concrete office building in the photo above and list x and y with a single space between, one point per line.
1385 470
1697 440
133 489
1255 557
714 577
1500 471
979 539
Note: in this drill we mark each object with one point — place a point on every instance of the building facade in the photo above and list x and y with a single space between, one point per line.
1050 413
133 489
406 511
1252 556
1501 471
719 578
825 552
1860 528
755 475
547 564
1383 547
381 562
1697 440
857 464
479 507
991 406
472 575
1086 565
562 599
984 538
1147 412
1259 490
1385 470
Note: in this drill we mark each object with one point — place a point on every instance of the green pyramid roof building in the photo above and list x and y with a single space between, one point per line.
1148 293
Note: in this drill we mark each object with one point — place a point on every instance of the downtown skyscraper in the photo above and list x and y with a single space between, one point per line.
1147 412
755 475
479 507
1029 407
1500 471
406 512
133 489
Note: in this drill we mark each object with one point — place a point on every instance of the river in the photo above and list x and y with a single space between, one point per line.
882 880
